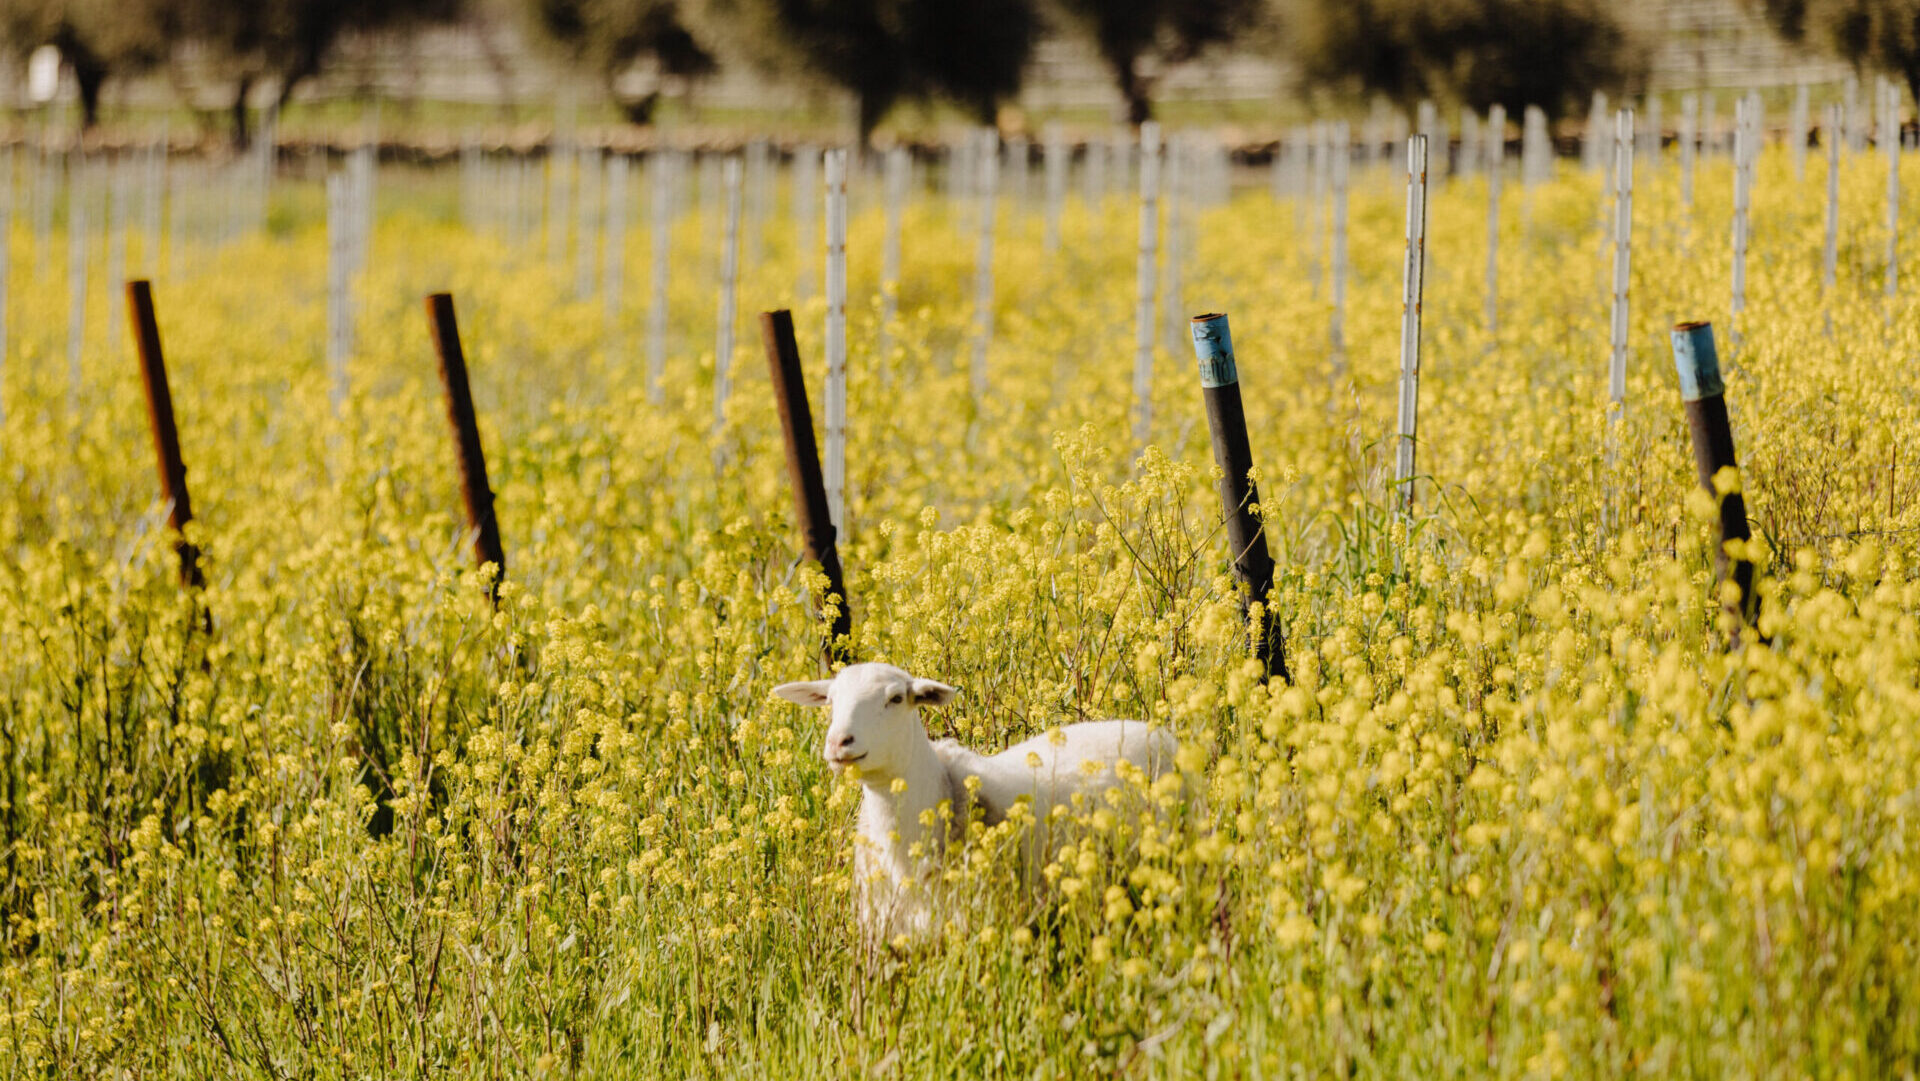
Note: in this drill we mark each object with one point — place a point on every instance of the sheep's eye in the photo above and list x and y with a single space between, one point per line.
896 699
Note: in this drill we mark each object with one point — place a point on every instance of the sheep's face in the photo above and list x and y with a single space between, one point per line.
876 715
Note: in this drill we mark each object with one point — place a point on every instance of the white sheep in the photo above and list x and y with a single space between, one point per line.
876 726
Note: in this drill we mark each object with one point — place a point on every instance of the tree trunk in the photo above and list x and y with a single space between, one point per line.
90 77
1133 90
241 136
89 74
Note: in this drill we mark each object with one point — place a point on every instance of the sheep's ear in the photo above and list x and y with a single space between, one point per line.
928 693
805 694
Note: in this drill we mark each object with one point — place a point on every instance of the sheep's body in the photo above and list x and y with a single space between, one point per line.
905 777
1050 769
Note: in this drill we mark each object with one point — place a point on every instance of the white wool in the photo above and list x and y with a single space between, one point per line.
876 726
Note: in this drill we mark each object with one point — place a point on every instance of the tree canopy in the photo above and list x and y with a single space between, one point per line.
887 51
1876 35
1125 31
607 37
1550 53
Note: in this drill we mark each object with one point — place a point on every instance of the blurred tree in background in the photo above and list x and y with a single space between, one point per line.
1173 31
971 52
608 37
1872 35
98 39
1550 53
288 42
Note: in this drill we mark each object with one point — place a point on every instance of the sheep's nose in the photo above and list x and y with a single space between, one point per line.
843 742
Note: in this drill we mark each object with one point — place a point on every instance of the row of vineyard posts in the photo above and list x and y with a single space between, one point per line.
816 492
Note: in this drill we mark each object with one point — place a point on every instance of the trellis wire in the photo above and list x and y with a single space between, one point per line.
988 199
836 403
1144 283
729 285
1412 277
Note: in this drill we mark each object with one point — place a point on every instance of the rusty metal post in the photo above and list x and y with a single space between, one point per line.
817 534
466 436
1704 395
1227 420
166 437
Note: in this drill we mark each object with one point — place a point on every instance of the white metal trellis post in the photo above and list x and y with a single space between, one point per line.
1622 258
1410 300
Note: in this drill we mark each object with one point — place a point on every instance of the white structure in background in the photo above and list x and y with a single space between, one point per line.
43 75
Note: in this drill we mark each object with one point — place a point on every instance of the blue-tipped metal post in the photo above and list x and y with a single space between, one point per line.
1704 395
1227 420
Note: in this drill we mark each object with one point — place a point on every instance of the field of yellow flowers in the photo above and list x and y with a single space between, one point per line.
1521 813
